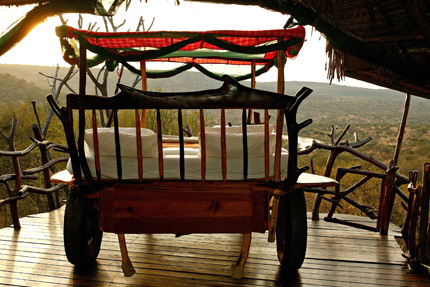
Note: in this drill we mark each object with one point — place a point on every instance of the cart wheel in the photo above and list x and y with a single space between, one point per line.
291 230
82 237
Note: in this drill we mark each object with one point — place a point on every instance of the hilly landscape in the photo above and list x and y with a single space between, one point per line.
14 89
336 104
370 112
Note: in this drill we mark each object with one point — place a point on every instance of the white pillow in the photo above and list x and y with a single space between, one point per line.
127 138
238 129
234 144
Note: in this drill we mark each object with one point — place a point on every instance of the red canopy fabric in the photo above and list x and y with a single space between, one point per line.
164 38
134 43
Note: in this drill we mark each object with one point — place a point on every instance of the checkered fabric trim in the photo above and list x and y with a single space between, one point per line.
164 39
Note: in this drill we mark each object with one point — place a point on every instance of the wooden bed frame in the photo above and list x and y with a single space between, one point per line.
177 205
275 203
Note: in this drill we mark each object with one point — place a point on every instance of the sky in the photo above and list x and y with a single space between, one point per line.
41 46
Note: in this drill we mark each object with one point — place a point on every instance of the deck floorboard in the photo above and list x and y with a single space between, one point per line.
337 255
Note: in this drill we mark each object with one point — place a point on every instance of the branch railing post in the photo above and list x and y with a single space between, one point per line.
386 199
389 194
18 175
424 232
46 175
328 169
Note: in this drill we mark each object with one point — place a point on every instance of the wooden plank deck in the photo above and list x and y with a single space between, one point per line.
337 255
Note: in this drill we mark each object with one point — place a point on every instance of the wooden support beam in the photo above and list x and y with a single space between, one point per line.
249 121
144 88
82 68
386 200
402 129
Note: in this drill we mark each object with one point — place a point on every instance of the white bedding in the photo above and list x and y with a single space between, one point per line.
192 166
129 160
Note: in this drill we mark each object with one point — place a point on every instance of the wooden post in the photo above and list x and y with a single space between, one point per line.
402 129
18 176
387 199
280 113
249 121
424 233
139 145
279 125
223 147
327 172
82 68
46 175
96 146
181 146
203 145
266 146
144 88
281 75
160 147
389 194
253 75
245 146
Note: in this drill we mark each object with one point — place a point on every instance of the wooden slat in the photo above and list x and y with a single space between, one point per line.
245 146
202 145
266 146
250 111
160 146
81 145
278 145
144 88
181 146
223 147
96 145
138 145
117 145
279 115
82 68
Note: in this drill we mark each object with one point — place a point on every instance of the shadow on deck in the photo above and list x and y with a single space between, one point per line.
337 255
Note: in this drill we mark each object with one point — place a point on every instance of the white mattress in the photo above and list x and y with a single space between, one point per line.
192 166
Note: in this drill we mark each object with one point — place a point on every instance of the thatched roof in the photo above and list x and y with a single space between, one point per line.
385 42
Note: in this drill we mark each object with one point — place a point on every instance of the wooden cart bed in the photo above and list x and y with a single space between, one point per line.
230 184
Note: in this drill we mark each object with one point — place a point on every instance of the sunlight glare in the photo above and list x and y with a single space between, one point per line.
41 46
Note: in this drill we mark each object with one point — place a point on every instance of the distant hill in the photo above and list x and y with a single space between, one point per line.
334 104
13 89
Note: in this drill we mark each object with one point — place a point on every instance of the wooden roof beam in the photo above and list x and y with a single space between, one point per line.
379 80
417 18
372 16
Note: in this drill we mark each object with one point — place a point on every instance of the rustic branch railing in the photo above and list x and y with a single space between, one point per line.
19 190
421 206
390 185
416 231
